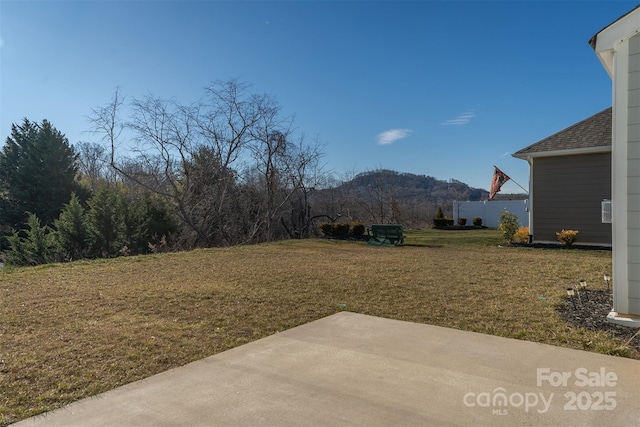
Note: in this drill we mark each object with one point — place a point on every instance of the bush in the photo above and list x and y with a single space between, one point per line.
443 222
38 246
164 245
357 228
567 237
439 214
326 228
477 221
522 235
462 221
341 229
508 225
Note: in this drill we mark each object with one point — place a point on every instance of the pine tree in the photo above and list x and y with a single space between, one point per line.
38 246
106 219
37 173
74 232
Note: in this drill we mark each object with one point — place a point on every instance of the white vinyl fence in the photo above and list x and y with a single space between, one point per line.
489 211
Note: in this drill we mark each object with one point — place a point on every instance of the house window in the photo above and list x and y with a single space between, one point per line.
606 211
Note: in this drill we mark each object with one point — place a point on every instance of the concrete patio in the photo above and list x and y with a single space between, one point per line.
351 369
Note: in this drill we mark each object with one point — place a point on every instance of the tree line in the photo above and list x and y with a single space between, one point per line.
49 211
227 169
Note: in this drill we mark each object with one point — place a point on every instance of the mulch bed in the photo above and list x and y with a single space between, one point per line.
563 247
460 227
592 314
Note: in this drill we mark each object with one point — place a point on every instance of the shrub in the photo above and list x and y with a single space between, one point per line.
164 245
38 246
326 228
508 225
155 223
522 235
567 237
357 228
439 222
440 214
462 220
477 221
341 229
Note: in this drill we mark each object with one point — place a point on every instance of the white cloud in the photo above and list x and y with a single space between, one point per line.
392 135
461 120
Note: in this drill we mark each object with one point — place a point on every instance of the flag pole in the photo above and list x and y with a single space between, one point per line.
525 190
514 181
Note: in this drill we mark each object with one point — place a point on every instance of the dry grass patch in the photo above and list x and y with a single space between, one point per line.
75 330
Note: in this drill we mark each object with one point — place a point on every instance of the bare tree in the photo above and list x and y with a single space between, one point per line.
376 201
304 172
94 164
192 156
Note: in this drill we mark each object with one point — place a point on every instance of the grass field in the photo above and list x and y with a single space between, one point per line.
69 331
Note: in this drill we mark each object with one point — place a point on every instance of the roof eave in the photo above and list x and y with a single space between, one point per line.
605 42
567 152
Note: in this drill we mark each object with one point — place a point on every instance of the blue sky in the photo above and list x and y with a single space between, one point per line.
446 89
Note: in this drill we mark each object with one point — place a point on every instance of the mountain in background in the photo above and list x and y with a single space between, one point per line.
385 196
408 185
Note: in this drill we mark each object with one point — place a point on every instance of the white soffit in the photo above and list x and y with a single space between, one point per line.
608 39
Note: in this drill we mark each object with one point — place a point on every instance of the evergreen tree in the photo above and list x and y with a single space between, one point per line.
106 219
37 173
146 220
74 232
38 246
157 222
132 215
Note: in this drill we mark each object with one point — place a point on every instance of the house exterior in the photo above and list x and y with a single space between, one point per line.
618 48
569 177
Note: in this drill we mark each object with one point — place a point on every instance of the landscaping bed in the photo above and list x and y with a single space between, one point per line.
460 227
563 247
592 313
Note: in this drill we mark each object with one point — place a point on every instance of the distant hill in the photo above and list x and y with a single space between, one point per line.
384 196
408 185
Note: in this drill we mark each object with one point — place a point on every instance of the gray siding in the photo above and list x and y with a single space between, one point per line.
568 193
633 175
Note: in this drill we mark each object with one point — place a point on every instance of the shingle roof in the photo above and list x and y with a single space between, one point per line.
592 132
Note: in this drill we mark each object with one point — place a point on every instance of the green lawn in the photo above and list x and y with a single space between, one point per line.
69 331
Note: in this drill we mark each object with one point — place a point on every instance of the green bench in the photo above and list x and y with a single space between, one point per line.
385 235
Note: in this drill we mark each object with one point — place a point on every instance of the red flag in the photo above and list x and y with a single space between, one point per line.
499 178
